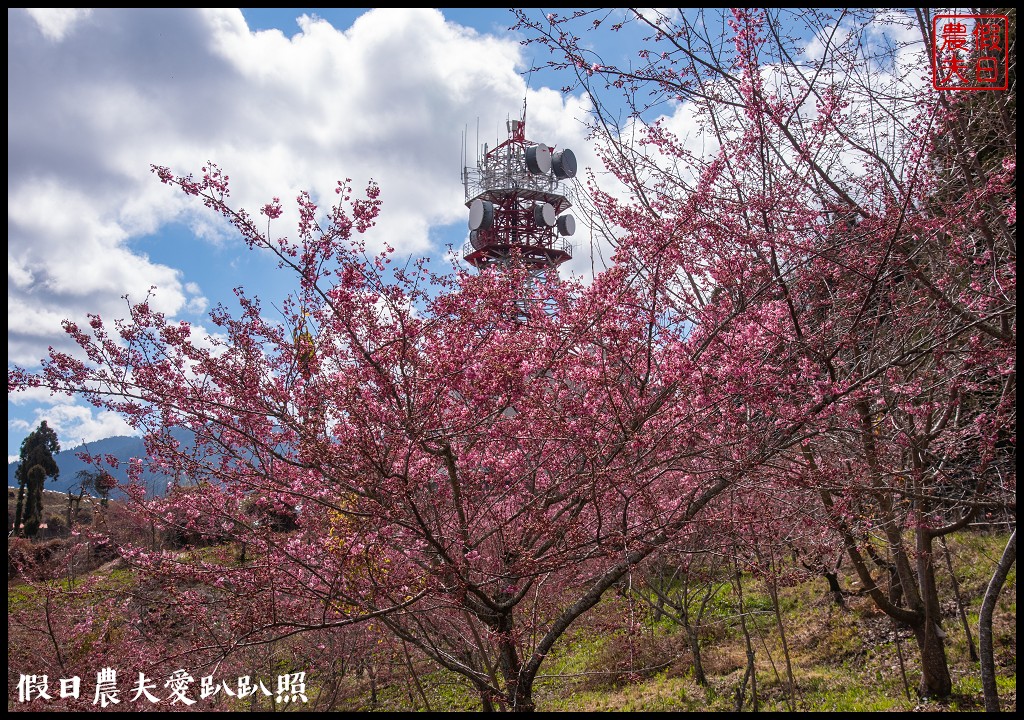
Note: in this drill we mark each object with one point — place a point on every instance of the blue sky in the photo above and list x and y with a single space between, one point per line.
284 100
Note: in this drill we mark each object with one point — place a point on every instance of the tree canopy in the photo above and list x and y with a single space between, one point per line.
36 463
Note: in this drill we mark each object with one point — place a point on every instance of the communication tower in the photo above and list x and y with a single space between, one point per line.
516 207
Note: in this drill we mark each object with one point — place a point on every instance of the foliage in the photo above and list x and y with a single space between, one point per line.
99 481
805 346
846 255
36 464
340 664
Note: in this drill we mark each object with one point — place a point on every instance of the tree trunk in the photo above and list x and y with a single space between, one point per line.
773 591
693 635
751 673
522 696
972 650
519 685
835 588
922 615
19 508
988 606
935 678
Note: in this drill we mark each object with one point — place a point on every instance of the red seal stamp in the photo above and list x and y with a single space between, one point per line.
970 52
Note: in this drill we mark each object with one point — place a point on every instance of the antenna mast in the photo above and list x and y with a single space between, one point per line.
516 206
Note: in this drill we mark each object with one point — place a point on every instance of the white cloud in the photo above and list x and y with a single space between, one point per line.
56 23
64 259
35 396
75 424
73 421
387 99
197 305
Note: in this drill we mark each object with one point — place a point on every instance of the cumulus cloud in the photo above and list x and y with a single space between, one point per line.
96 97
386 100
55 23
65 257
73 422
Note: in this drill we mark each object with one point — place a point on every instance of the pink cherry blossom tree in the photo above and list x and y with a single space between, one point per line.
402 450
822 303
842 238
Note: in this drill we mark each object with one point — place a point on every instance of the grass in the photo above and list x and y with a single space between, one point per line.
843 659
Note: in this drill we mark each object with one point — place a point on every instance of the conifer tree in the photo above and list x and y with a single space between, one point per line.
37 451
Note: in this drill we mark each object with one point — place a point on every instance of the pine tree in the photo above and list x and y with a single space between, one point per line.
37 464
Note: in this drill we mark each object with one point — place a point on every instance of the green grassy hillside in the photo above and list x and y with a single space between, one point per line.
624 657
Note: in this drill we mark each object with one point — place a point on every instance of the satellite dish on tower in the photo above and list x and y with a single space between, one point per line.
515 203
538 159
563 163
544 215
481 214
566 225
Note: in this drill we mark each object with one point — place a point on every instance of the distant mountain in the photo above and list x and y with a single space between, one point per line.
122 447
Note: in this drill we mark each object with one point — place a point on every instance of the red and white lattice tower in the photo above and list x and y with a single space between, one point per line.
516 207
